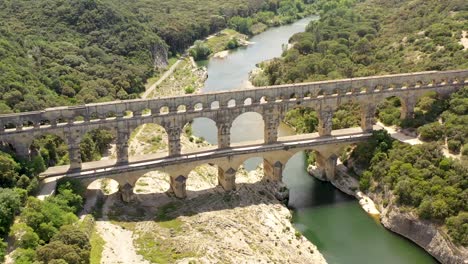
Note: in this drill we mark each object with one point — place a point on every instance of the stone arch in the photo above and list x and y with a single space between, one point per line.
106 186
148 139
203 177
79 119
248 101
253 165
164 110
181 108
231 103
347 115
247 126
198 106
27 124
97 143
388 109
94 116
303 118
200 132
9 125
155 181
110 115
214 105
52 147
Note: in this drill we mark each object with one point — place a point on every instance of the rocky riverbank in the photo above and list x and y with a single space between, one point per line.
249 225
424 233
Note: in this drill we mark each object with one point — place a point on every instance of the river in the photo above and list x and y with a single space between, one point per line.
330 219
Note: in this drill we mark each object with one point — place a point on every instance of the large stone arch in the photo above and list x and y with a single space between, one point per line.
251 124
209 134
154 139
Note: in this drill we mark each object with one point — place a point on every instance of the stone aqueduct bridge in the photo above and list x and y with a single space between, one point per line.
272 103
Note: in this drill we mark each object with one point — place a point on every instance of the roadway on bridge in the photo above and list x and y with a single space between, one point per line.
161 159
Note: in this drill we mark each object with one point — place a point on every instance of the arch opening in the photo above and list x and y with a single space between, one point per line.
98 144
232 103
302 120
153 182
79 119
203 177
181 109
105 185
148 139
251 170
248 101
214 105
247 127
164 110
389 111
198 107
347 115
49 150
110 115
200 133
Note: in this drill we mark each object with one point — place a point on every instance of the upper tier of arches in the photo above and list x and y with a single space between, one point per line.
393 85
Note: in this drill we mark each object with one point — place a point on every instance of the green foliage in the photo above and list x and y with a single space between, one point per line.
233 44
431 132
465 150
57 53
366 153
189 89
361 38
303 120
458 228
420 177
94 144
8 170
241 24
24 236
10 203
24 256
389 111
3 248
200 51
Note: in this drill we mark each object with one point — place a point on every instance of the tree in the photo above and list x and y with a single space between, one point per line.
24 236
3 248
10 203
458 228
8 170
200 51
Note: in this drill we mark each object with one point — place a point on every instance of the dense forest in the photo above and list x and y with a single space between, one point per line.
362 38
372 38
56 52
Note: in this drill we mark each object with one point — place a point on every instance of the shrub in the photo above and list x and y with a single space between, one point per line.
465 150
454 146
431 132
458 228
200 51
232 44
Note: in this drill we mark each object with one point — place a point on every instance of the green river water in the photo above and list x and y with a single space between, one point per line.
330 219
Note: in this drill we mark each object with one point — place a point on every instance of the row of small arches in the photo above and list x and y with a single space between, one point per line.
200 106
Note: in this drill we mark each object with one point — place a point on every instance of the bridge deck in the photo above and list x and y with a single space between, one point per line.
161 159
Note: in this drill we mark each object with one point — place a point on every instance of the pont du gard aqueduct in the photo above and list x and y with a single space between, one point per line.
71 123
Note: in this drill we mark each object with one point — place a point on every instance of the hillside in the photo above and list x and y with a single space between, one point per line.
55 52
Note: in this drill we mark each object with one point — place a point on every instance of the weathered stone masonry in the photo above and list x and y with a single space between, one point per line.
272 103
